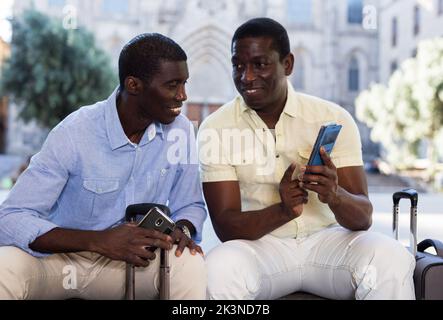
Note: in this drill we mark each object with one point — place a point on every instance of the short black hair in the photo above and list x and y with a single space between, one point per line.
141 56
265 27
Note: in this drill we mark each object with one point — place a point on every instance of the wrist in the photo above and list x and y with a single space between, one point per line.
287 213
336 200
186 227
95 241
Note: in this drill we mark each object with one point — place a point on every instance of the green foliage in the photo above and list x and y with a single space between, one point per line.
52 71
410 109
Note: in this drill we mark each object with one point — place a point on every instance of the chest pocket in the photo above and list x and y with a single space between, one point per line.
99 195
303 156
101 186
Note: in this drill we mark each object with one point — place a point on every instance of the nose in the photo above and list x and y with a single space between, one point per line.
181 94
248 74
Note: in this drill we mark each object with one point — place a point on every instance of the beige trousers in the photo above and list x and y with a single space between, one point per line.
334 263
87 275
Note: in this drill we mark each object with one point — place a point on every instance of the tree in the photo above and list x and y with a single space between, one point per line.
52 71
410 109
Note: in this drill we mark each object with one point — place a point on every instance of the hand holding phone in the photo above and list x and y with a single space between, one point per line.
158 220
326 138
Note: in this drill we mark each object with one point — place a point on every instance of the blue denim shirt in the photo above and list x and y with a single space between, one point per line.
88 172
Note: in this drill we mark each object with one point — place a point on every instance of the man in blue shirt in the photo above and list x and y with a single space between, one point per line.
62 230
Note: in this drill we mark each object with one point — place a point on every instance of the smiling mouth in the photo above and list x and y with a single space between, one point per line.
251 91
176 111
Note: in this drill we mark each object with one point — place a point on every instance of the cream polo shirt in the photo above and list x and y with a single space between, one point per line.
236 145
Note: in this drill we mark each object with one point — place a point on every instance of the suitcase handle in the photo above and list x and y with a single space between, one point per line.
134 210
428 243
412 195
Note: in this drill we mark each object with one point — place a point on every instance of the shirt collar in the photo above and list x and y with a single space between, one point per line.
116 135
291 106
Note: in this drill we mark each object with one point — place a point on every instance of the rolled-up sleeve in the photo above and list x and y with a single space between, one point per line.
24 215
186 198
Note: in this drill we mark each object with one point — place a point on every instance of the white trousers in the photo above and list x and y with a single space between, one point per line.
334 263
88 275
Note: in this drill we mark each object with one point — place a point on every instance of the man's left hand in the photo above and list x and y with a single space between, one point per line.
182 241
323 180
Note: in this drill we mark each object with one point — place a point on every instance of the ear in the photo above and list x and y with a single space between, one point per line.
133 86
288 63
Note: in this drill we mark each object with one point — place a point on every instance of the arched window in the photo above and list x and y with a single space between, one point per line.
417 20
354 75
394 31
299 11
299 73
355 11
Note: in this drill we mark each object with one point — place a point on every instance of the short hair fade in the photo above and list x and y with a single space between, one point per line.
141 56
265 27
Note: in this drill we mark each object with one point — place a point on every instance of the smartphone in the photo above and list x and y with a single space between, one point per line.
326 138
158 220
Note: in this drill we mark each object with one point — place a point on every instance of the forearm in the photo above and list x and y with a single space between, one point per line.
65 241
250 225
353 212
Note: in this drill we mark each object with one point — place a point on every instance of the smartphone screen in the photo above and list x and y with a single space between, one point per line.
326 138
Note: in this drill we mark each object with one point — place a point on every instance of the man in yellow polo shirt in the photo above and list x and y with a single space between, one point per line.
284 230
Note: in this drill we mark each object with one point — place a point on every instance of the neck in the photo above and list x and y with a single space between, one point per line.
133 124
271 116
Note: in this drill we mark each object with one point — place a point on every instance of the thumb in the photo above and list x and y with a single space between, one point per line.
287 177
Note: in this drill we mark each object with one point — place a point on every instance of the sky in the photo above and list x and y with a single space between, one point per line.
5 12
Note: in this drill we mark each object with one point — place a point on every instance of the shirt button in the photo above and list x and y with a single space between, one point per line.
277 156
163 172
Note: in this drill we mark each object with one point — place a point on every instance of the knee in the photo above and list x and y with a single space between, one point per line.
188 266
188 276
386 256
232 272
16 268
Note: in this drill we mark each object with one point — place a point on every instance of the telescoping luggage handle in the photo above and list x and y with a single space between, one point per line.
131 214
412 195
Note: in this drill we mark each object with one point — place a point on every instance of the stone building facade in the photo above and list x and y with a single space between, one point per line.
337 55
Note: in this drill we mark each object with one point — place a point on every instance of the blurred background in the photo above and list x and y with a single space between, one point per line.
382 60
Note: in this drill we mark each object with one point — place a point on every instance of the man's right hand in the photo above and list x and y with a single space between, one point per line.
292 196
130 243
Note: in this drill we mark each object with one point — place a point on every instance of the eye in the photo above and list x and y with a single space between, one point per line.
261 65
173 84
237 66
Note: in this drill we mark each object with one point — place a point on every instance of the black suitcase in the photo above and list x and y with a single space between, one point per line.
428 273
